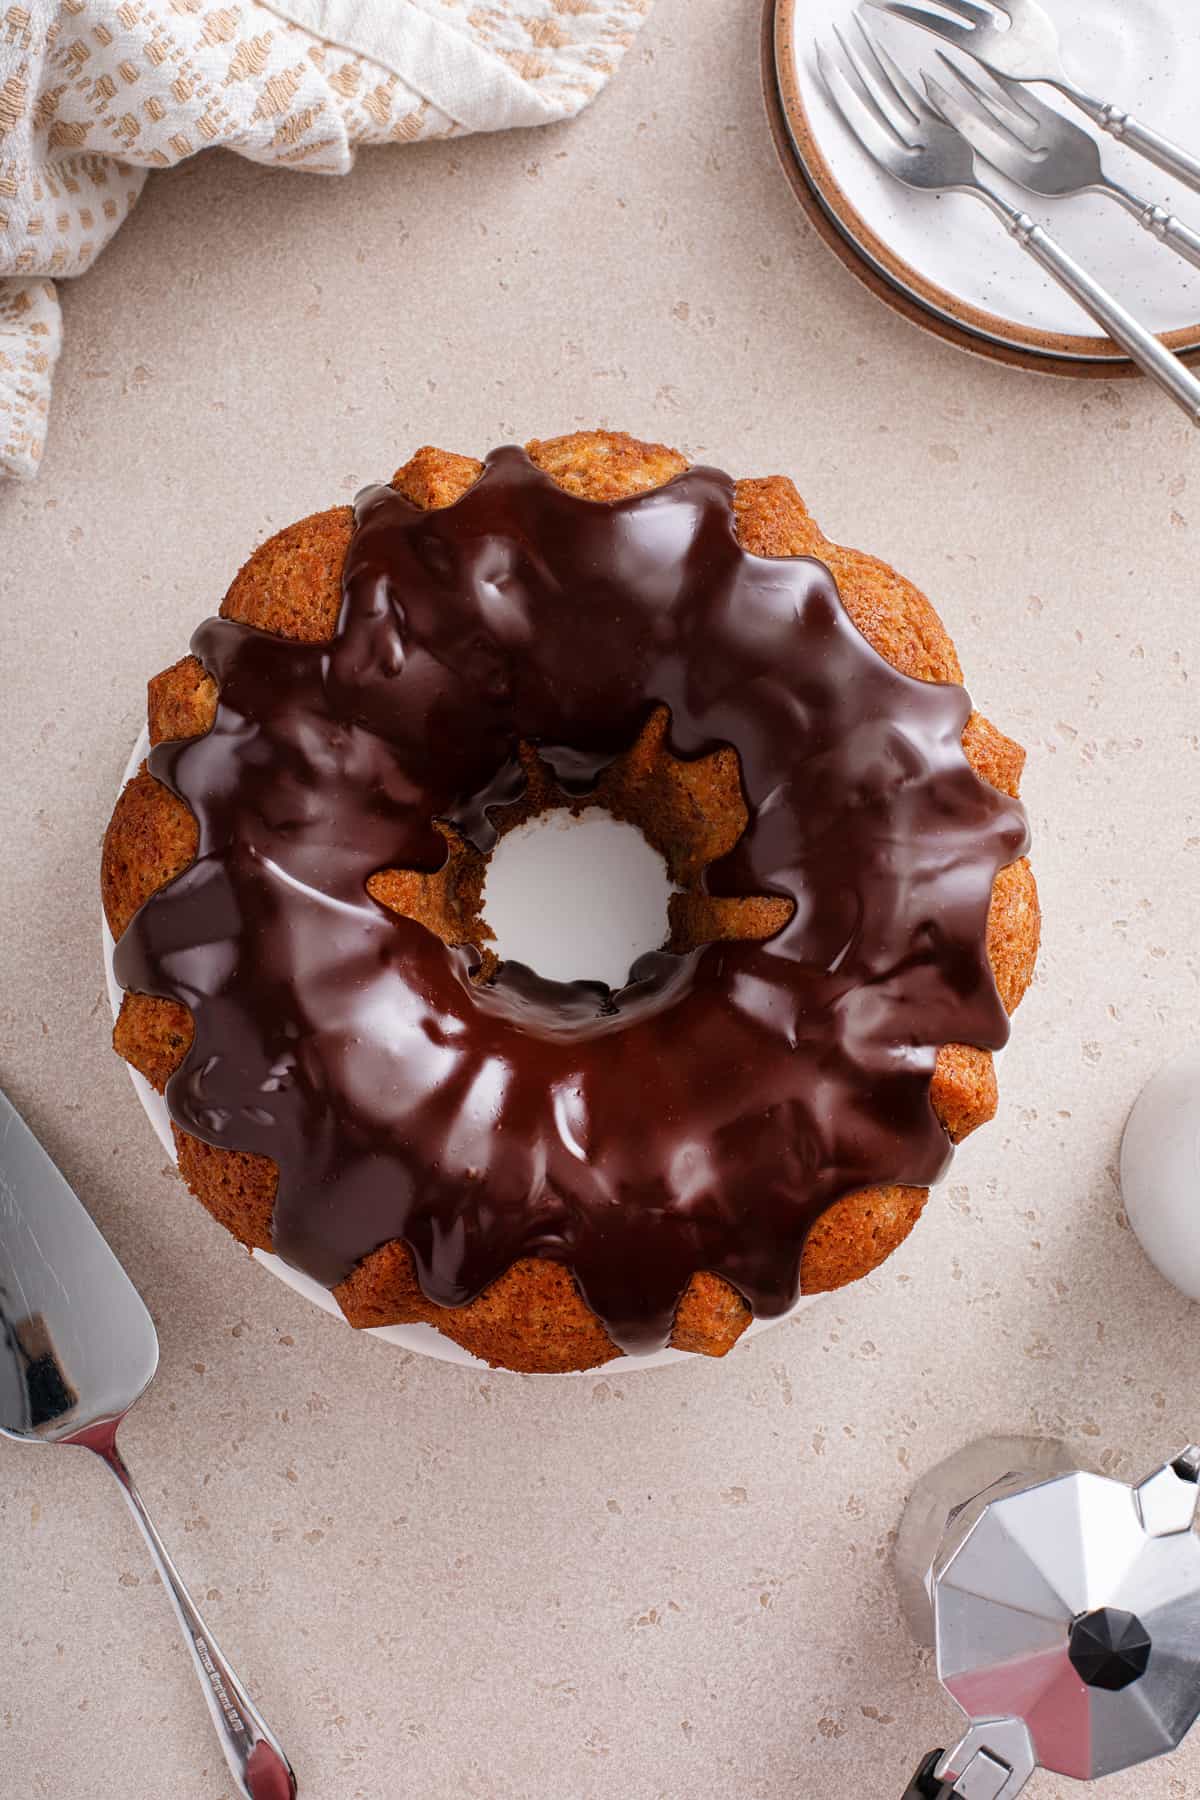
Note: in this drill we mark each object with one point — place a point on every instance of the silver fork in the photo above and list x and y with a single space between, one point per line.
919 147
1019 38
1035 146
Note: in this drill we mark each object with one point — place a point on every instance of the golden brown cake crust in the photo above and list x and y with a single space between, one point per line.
533 1318
181 702
150 838
292 585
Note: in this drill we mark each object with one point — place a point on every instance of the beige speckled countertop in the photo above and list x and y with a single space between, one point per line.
628 1587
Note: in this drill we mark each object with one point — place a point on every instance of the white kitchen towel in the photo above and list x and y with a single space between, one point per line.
93 93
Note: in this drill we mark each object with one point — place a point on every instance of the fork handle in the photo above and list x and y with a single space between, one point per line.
1127 130
1150 355
1159 223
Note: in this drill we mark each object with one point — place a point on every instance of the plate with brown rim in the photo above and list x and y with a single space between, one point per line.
942 259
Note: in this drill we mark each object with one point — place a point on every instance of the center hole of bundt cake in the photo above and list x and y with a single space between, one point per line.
579 886
577 897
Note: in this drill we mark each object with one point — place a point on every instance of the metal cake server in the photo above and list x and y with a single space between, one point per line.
77 1349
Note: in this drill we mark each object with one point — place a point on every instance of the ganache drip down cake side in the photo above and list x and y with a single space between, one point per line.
554 1173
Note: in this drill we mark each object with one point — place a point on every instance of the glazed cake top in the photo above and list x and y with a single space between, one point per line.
705 1114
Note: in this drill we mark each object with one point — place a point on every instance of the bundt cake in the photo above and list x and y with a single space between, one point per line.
553 1173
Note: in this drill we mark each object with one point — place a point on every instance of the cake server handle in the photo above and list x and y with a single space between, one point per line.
259 1768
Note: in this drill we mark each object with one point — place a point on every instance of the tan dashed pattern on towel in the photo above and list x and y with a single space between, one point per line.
94 93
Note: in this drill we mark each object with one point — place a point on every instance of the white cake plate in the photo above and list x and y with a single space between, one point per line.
420 1338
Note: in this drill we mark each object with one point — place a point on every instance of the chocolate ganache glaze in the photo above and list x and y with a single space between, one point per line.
704 1115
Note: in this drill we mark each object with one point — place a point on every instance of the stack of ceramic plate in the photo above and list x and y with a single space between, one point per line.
941 259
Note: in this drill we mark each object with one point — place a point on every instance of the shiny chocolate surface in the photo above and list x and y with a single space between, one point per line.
705 1114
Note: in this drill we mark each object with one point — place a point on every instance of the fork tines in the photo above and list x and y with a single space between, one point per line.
891 119
884 83
933 18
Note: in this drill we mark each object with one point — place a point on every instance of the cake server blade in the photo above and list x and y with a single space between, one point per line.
77 1349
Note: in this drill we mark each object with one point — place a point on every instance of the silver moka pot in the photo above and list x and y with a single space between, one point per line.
1064 1608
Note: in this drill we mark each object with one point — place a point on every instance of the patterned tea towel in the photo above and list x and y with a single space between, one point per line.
93 93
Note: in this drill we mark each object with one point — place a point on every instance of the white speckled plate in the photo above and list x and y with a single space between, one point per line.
421 1338
946 252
